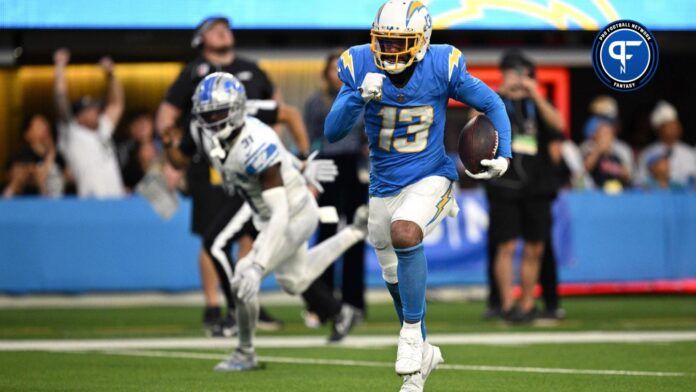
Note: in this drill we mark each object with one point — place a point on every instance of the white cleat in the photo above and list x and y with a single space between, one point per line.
432 357
412 383
409 354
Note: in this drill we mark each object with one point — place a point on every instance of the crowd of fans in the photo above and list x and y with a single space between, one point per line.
80 154
83 157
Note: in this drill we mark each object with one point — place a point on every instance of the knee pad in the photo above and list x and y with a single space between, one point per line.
389 274
388 262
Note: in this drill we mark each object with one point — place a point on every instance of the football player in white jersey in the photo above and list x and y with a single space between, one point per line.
254 163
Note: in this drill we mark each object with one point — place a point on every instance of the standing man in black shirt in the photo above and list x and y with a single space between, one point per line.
520 201
213 209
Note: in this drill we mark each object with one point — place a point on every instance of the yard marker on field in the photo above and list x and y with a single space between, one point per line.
354 363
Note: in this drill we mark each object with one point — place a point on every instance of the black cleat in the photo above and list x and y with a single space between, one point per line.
344 322
517 317
223 328
211 315
557 314
492 314
267 322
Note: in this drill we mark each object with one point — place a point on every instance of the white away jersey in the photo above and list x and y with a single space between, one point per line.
256 149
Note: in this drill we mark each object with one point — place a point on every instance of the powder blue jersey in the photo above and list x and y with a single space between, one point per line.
405 130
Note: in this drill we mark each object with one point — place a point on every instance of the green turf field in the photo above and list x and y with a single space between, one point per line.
638 366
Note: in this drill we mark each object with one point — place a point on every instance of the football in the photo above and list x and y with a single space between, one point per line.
478 140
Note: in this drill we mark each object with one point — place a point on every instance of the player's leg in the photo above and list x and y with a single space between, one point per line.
244 356
322 255
422 207
233 222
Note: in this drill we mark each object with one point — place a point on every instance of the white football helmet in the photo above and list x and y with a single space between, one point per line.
400 34
219 104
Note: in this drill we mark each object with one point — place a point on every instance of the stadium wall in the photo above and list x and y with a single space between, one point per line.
634 241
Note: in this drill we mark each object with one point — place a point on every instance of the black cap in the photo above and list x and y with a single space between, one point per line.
204 26
84 103
515 59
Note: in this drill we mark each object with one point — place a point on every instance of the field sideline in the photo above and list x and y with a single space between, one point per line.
607 343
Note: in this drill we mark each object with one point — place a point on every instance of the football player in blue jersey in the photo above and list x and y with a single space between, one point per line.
403 84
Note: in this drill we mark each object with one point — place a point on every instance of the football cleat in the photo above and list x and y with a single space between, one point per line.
223 328
344 322
432 357
239 361
412 383
409 353
360 219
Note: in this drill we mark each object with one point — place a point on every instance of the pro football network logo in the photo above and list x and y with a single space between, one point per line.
625 55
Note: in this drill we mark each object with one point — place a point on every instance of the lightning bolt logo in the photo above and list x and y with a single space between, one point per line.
347 60
443 202
453 61
557 13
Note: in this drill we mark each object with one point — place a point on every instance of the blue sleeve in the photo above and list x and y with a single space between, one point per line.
467 89
348 105
344 114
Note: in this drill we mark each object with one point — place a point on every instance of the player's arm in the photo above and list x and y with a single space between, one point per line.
61 58
351 99
465 88
115 97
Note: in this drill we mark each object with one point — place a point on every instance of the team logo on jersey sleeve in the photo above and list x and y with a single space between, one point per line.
625 55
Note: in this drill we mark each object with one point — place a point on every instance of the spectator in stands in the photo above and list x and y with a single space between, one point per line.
604 106
38 169
682 158
520 201
84 132
658 167
349 155
141 150
609 162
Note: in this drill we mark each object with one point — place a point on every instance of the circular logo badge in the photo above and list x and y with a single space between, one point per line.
625 55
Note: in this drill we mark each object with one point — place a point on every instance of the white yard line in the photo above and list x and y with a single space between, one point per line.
195 298
366 341
353 363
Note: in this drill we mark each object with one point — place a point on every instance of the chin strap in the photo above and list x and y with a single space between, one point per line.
217 151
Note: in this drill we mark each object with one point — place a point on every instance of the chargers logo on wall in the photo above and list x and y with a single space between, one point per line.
625 55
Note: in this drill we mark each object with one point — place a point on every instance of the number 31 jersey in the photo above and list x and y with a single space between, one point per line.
405 130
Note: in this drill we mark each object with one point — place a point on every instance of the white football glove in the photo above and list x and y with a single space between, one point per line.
496 168
248 282
317 171
371 87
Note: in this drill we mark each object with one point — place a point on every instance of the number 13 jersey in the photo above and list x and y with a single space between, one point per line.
405 129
